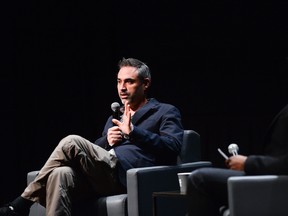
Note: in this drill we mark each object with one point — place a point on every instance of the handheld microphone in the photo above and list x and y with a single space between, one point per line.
233 149
115 106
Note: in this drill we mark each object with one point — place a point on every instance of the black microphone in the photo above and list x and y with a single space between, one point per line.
115 106
233 149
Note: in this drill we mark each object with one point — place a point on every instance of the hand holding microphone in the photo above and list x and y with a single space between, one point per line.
115 106
114 134
235 162
123 115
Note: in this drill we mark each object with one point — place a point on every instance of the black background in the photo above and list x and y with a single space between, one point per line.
223 63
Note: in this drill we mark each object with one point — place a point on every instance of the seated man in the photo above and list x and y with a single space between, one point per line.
148 133
207 187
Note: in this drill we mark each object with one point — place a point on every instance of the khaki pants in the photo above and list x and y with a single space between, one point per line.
76 167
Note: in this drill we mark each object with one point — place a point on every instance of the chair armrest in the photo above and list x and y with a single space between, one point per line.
142 182
258 195
31 176
36 209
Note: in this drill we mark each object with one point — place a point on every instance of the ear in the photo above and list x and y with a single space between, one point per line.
146 83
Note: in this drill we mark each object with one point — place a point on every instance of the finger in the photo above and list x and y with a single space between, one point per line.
127 107
227 162
116 122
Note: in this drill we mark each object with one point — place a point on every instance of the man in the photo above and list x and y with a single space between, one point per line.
207 187
148 133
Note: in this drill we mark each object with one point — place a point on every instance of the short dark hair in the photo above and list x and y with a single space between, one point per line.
142 69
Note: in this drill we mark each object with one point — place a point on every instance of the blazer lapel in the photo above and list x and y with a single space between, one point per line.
150 106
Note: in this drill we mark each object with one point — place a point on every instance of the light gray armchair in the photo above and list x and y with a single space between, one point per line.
141 183
263 195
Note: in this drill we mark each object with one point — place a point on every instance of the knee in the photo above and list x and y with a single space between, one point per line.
201 174
68 142
197 178
70 138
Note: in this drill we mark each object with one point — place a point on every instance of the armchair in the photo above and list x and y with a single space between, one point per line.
141 183
264 195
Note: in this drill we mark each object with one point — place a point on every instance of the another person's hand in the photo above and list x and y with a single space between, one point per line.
236 162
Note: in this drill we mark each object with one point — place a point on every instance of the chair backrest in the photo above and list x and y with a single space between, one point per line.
191 149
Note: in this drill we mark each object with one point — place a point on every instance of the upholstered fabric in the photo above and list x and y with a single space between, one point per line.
264 195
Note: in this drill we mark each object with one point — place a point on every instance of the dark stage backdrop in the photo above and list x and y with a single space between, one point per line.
223 63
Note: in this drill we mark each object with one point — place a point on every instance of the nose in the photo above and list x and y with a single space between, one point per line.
122 87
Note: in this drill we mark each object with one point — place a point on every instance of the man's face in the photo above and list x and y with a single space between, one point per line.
130 88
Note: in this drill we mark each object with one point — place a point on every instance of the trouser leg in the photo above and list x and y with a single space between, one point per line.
207 190
60 185
95 163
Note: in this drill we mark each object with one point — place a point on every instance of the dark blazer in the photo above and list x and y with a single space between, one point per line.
275 160
155 140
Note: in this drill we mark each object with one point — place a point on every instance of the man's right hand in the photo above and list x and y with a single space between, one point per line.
236 162
114 135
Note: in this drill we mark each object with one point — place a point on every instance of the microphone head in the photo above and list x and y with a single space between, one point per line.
115 106
233 148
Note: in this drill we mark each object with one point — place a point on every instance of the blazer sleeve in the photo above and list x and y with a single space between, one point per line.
102 141
275 161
